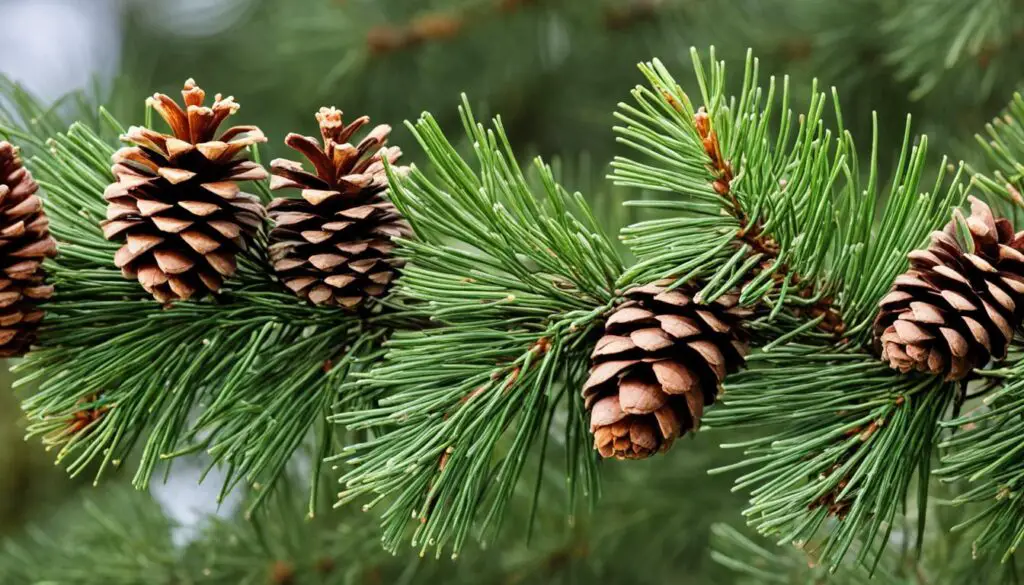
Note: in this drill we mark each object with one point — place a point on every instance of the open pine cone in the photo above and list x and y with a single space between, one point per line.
661 360
24 243
177 204
332 246
959 304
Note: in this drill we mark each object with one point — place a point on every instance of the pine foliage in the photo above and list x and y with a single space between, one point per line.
515 277
246 377
983 452
468 377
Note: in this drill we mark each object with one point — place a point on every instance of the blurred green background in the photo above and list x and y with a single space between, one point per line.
554 70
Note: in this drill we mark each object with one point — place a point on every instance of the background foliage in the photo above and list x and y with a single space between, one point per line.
555 71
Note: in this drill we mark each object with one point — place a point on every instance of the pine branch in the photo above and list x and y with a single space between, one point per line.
518 279
719 157
763 213
779 211
844 438
978 44
242 375
127 527
754 563
123 537
984 453
113 540
24 120
1003 143
986 456
437 26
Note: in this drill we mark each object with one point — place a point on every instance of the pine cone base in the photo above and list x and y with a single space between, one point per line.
659 363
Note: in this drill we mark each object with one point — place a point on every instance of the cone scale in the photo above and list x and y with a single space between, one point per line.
331 245
659 363
25 242
957 307
177 204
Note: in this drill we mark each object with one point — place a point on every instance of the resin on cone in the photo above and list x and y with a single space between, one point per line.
25 242
957 307
332 244
661 360
177 204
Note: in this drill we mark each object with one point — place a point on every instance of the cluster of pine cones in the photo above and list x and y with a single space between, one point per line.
663 355
178 206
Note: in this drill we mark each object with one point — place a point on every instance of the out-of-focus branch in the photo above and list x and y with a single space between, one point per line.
445 25
436 26
626 13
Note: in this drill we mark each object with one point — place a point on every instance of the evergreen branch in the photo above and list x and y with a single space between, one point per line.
977 43
116 369
516 252
874 245
755 563
89 544
438 454
440 25
843 448
986 455
267 410
774 199
25 121
519 280
940 564
1003 143
986 452
765 213
281 546
123 537
437 26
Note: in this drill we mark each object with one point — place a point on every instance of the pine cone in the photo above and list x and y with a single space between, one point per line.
333 245
24 242
960 302
660 362
177 204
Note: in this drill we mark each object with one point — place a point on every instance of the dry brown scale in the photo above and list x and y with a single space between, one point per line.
830 501
660 361
332 245
177 203
80 421
958 305
25 242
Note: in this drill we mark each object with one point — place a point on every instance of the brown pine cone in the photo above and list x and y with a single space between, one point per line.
177 204
959 304
24 242
333 245
660 361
